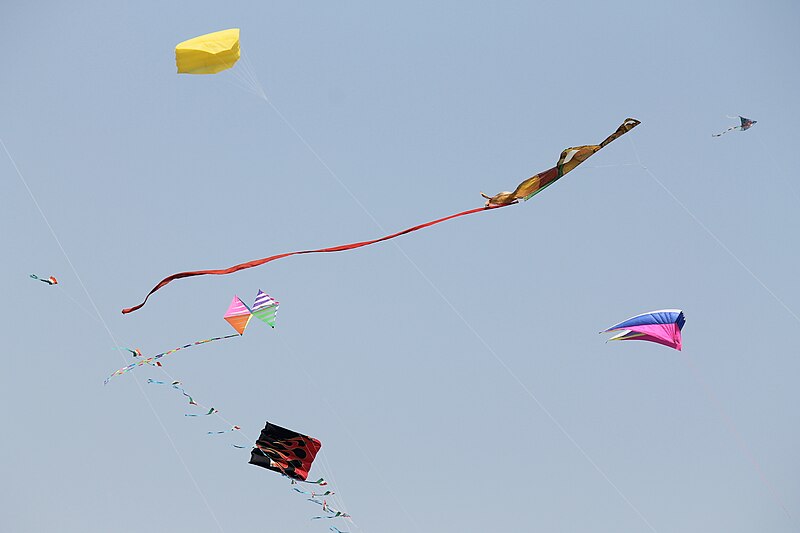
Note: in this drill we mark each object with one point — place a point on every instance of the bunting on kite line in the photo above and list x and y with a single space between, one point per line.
50 281
314 494
663 327
321 482
175 385
135 352
233 428
745 125
570 158
211 411
335 513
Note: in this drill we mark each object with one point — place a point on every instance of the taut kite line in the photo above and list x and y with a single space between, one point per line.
569 160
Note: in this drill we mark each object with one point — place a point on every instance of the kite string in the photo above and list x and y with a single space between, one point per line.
327 471
110 334
263 95
216 412
496 356
338 500
729 422
533 396
780 170
713 235
344 426
731 426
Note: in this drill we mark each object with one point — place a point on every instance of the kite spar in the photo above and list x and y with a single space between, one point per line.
569 160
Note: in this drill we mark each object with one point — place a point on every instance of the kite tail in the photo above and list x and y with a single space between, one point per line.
726 131
154 360
210 412
259 262
234 428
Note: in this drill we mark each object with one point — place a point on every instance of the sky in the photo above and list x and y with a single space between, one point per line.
454 376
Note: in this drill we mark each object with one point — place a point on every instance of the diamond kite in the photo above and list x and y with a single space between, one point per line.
285 451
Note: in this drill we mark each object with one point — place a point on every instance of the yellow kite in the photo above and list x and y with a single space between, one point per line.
208 54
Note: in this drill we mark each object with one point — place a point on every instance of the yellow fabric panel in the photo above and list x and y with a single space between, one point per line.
208 54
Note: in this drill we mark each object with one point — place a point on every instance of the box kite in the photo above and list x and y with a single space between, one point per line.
208 54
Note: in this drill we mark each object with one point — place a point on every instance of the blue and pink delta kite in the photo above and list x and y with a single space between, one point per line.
663 327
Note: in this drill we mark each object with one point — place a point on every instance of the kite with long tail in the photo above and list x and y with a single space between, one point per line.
744 126
569 160
238 316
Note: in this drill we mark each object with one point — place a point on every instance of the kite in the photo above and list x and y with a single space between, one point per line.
336 530
570 158
663 327
50 281
265 308
285 451
744 126
208 54
238 316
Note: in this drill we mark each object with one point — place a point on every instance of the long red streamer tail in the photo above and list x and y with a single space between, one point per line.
259 262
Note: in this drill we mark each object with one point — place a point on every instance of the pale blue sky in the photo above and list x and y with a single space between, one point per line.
411 361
